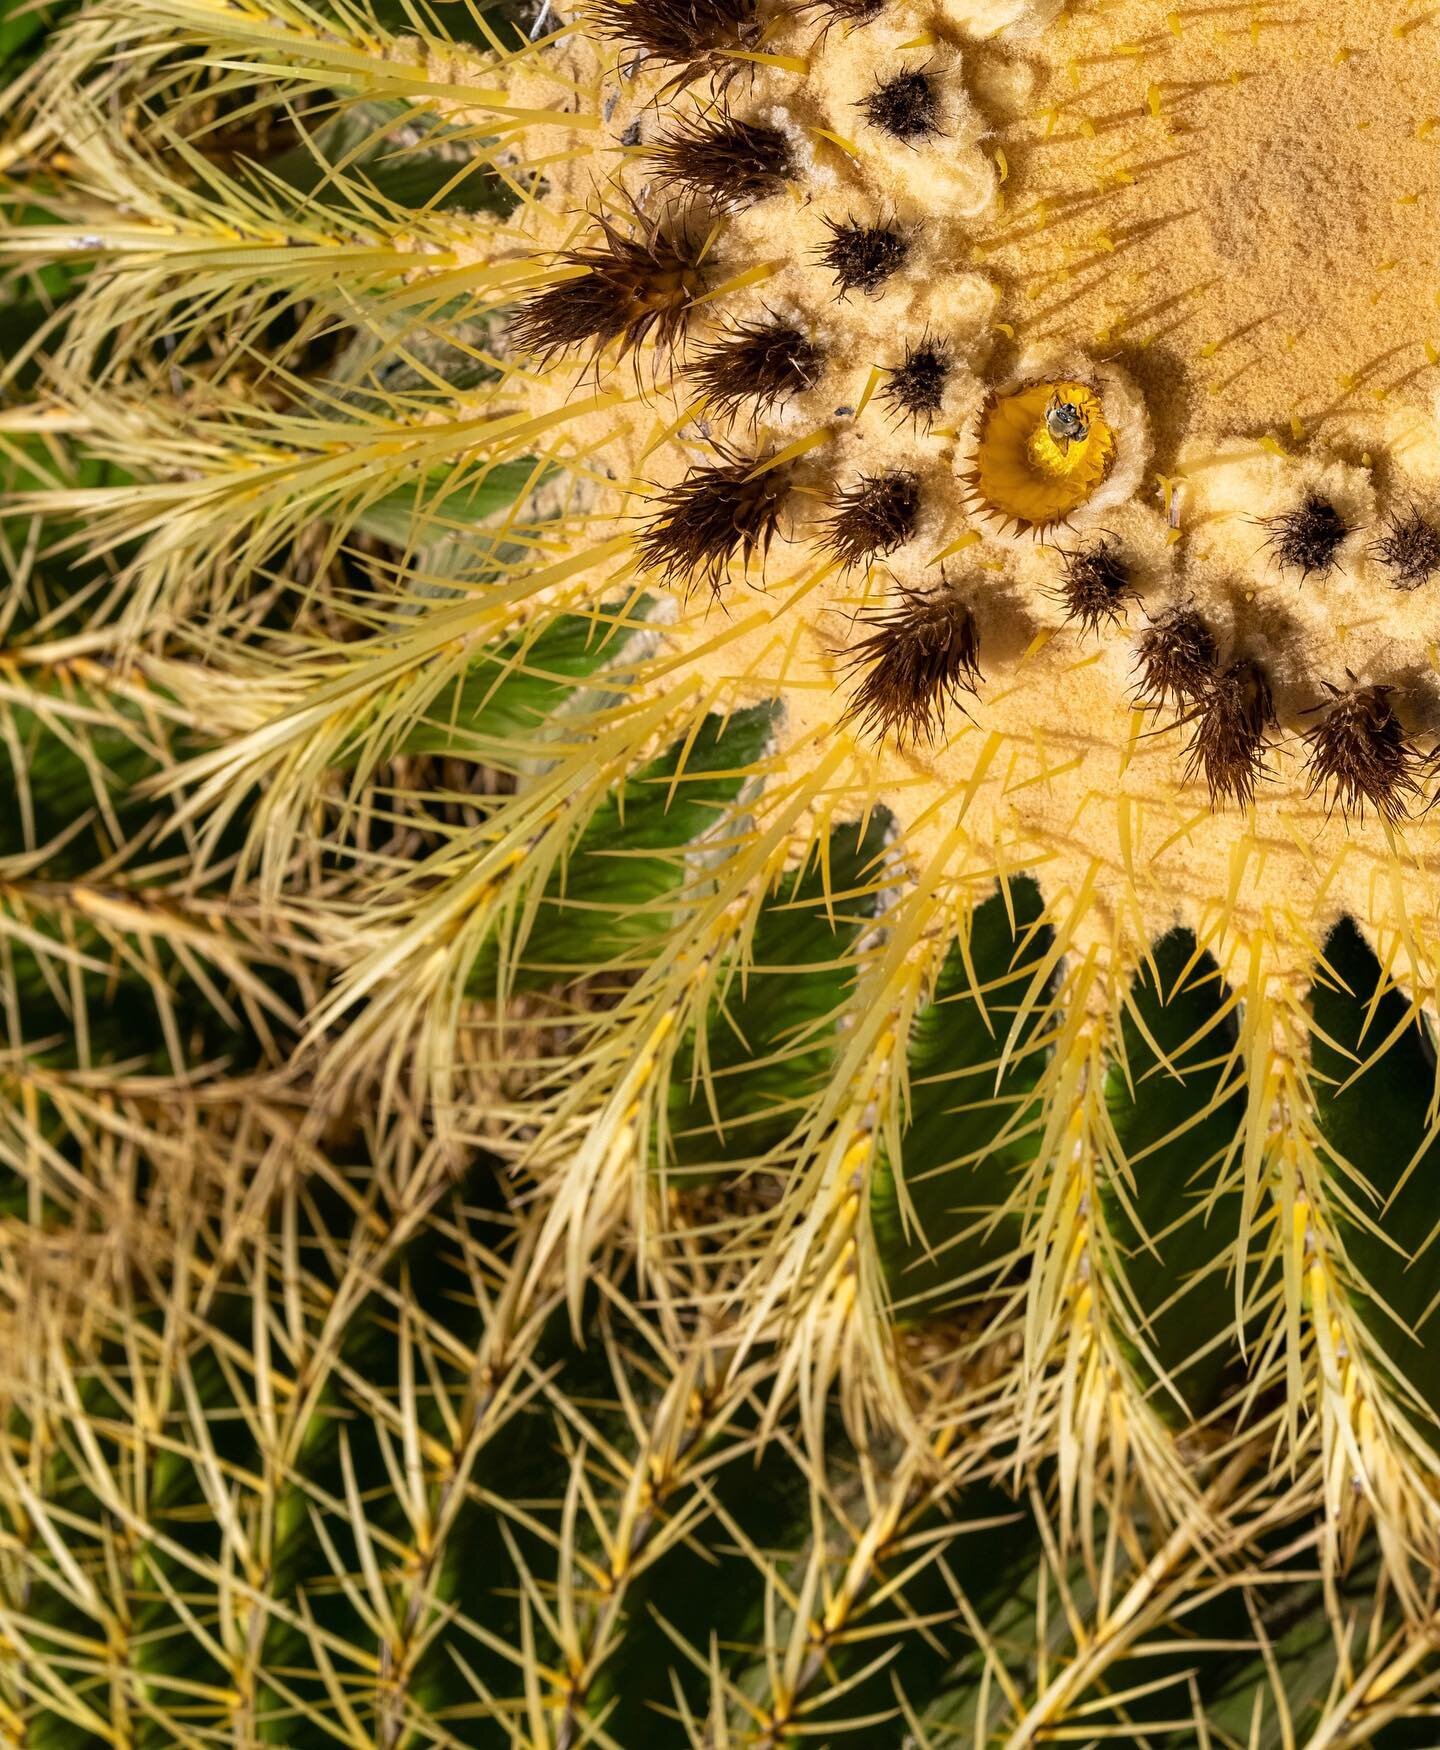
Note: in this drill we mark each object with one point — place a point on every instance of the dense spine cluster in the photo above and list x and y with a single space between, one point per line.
906 106
1309 537
1233 721
634 286
754 366
1361 756
1175 658
872 518
915 389
717 513
729 162
650 280
686 39
1409 548
1095 585
861 257
1357 752
915 659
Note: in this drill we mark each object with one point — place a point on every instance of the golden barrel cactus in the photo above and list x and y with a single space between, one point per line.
720 899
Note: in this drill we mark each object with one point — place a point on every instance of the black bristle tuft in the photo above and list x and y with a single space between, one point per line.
1175 656
863 257
732 163
1308 538
917 387
918 658
1232 731
873 517
1409 549
714 514
851 12
1359 754
906 107
635 286
757 364
1094 585
697 37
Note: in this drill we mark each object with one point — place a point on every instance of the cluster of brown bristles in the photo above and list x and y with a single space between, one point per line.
690 39
1308 539
732 509
644 281
696 39
647 282
1357 752
921 653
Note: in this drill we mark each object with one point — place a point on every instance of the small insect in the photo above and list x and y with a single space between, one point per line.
1066 423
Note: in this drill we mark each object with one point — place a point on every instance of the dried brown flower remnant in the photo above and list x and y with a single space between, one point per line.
694 36
873 517
1233 722
1360 754
918 657
633 287
714 515
863 257
906 107
1175 656
756 365
917 387
1308 538
1409 549
1094 584
732 163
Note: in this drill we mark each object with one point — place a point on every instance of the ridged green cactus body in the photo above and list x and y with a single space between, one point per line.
644 1103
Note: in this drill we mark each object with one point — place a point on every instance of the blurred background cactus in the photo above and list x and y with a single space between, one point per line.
564 1180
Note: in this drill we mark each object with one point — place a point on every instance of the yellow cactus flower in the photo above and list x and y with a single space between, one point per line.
1043 450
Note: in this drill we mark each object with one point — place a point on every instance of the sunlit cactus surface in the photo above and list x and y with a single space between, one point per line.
719 878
